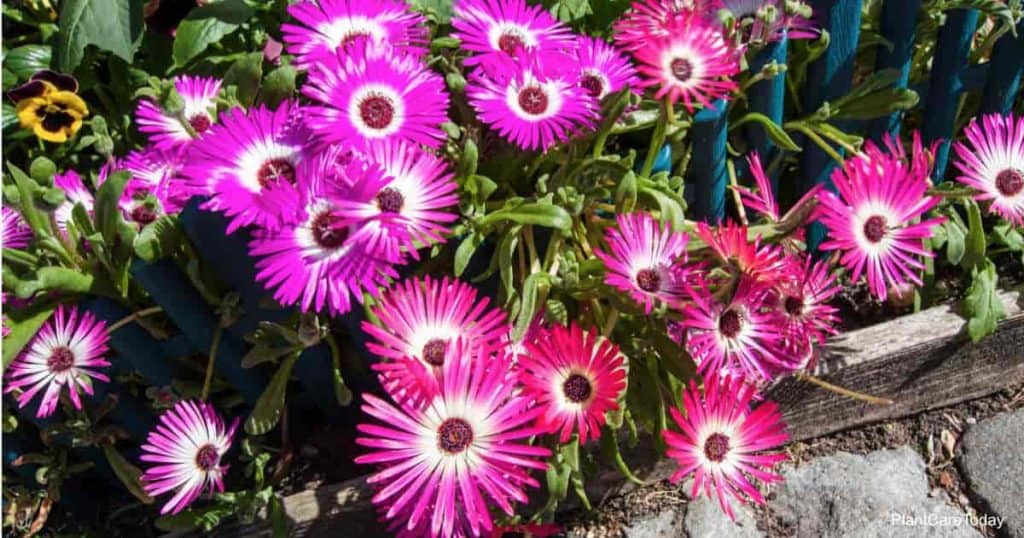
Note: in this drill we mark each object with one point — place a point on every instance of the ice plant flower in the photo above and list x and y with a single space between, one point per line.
992 161
450 461
874 219
319 260
16 233
155 171
646 259
489 28
602 69
533 101
767 21
692 64
419 319
803 297
369 92
327 25
652 19
722 442
731 244
49 105
75 192
66 352
247 165
185 452
175 129
741 336
575 377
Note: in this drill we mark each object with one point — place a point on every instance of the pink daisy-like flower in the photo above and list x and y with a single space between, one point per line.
247 165
450 461
533 101
731 244
419 320
646 259
490 28
75 192
762 200
803 297
651 19
993 162
873 221
186 451
575 376
195 118
602 69
155 172
66 352
16 233
319 259
766 21
693 63
327 25
722 441
370 93
742 336
409 208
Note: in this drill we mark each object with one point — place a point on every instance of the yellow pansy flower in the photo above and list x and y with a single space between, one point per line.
49 106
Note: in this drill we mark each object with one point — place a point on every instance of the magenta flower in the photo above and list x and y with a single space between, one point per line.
722 441
741 337
247 165
328 25
16 233
653 19
419 319
731 244
873 221
449 462
496 28
601 69
186 451
803 297
196 117
75 192
766 21
320 258
762 200
155 172
693 63
533 101
66 352
646 259
992 161
575 377
371 92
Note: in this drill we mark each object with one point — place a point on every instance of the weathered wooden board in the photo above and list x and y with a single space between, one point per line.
921 361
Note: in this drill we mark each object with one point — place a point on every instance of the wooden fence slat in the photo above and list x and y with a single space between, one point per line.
768 97
899 26
710 127
133 344
946 82
1004 76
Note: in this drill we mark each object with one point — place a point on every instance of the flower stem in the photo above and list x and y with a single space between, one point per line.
657 140
132 317
209 364
875 400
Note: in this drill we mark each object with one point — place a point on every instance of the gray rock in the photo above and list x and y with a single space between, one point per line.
881 495
993 464
665 524
705 519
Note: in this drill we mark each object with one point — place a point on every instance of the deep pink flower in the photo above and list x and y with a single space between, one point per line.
489 28
601 69
16 233
762 200
75 192
731 244
575 376
450 461
66 352
369 92
185 452
803 297
167 129
722 441
653 19
327 25
992 161
873 221
155 172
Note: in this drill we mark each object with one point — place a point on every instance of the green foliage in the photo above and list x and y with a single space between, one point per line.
112 25
982 305
206 25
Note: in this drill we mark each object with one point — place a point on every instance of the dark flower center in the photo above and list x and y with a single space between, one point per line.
275 170
716 447
199 123
875 228
682 69
60 360
326 232
352 36
577 388
794 305
143 214
390 200
729 323
454 435
434 351
207 458
1010 182
593 84
648 280
533 100
510 42
55 121
377 111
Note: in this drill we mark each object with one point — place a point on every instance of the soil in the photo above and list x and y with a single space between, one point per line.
934 434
